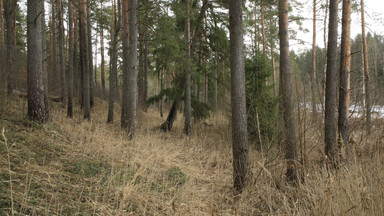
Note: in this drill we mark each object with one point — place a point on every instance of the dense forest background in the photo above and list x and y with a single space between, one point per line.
137 107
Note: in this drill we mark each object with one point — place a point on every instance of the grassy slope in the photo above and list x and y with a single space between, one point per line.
75 167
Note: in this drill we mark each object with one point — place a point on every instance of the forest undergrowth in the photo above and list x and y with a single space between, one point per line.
78 167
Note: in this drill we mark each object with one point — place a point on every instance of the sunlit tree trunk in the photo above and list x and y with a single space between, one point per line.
331 83
345 70
366 72
240 149
287 95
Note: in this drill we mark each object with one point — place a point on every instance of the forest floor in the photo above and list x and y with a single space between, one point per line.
77 167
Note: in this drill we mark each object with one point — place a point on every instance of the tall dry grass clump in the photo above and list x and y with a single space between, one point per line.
90 168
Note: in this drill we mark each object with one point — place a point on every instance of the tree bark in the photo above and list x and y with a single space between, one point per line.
113 73
90 54
187 108
130 65
84 59
331 84
273 58
366 72
61 53
263 31
70 61
54 44
344 87
9 10
313 65
287 97
240 149
2 37
102 52
125 39
44 65
36 105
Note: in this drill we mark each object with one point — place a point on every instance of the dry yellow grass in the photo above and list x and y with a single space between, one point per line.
95 170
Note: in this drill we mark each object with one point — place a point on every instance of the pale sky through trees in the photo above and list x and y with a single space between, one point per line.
374 12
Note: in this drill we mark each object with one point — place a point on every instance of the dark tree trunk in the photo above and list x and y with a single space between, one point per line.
84 59
331 83
36 105
287 96
2 45
125 39
61 53
70 61
345 70
90 54
9 10
102 52
113 73
76 60
168 124
240 148
187 101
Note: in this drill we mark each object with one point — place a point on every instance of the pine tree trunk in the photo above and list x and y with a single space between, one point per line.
345 70
54 44
313 66
273 58
102 53
331 84
90 54
125 39
241 169
187 109
9 10
36 105
70 61
2 38
84 59
146 62
76 60
61 53
263 31
141 59
44 66
366 72
132 69
113 73
102 65
287 96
